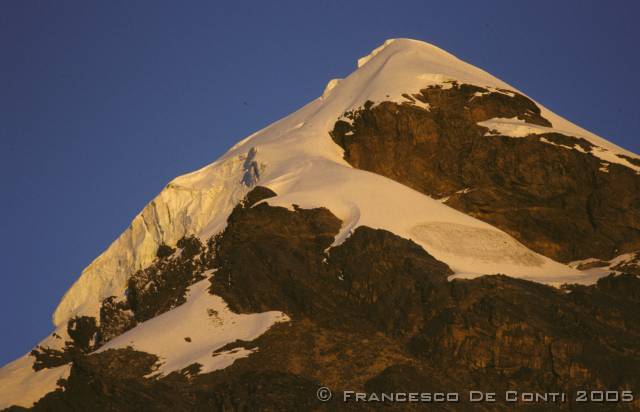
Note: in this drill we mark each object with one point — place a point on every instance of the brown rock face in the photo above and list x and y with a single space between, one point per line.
375 314
283 253
555 200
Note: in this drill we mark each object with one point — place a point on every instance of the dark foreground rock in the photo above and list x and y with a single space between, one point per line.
557 199
377 314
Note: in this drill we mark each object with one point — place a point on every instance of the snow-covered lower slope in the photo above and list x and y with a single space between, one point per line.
21 385
192 332
296 158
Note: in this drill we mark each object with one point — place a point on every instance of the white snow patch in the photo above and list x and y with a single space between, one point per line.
423 105
477 94
206 320
596 273
21 385
574 147
501 91
492 90
412 100
512 127
624 258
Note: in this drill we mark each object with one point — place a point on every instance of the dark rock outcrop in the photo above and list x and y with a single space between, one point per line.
82 331
282 251
156 289
555 200
163 286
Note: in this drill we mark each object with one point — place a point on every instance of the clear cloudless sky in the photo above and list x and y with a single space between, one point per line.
102 103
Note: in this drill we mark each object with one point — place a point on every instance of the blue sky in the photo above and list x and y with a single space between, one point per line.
102 103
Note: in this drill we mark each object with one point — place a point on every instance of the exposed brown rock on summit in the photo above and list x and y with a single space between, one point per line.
555 200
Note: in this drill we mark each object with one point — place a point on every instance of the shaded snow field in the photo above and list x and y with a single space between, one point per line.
477 243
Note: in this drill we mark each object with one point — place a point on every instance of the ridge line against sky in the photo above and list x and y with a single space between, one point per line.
102 104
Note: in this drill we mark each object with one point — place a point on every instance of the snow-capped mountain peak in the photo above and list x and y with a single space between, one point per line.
300 162
297 158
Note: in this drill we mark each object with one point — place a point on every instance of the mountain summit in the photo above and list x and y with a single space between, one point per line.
420 223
